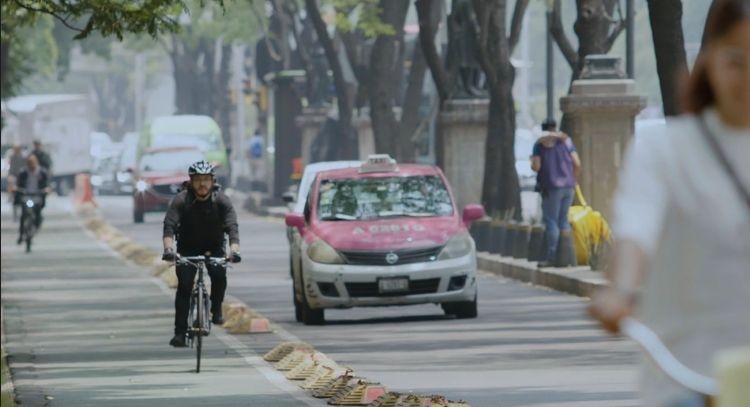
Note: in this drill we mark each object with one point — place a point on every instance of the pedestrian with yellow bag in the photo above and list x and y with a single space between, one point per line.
557 165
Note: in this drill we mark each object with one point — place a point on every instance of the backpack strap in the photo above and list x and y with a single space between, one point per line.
721 156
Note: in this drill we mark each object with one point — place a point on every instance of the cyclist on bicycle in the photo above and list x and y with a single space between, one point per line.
31 180
199 215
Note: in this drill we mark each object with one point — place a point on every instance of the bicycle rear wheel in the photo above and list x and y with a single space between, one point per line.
29 230
199 331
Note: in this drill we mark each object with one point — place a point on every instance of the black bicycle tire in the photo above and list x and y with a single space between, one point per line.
199 332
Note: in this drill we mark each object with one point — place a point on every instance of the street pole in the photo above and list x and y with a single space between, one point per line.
630 38
238 166
139 89
550 64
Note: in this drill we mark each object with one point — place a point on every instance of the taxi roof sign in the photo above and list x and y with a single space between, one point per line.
379 163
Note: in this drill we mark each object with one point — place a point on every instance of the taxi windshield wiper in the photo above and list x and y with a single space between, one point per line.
338 216
389 214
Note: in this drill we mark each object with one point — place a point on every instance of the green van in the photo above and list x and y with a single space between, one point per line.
188 130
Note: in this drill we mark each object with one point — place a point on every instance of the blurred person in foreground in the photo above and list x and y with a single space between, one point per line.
682 216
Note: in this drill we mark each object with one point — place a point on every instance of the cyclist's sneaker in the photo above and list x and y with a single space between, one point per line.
178 341
217 318
20 240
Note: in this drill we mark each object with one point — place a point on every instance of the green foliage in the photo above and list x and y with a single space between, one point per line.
32 49
107 17
363 15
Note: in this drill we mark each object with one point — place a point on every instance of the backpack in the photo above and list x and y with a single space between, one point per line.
557 167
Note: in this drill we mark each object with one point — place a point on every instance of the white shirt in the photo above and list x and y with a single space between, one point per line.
678 202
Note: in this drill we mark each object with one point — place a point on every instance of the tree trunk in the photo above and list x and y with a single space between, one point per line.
500 189
410 117
665 17
385 78
346 146
430 12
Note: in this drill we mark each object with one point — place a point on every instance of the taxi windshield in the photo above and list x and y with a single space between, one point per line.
375 198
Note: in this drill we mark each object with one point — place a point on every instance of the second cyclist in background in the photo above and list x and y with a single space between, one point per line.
200 216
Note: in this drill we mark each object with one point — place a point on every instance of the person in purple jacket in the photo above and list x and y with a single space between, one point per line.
557 165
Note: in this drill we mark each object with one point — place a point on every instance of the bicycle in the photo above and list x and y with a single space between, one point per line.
29 201
199 320
704 386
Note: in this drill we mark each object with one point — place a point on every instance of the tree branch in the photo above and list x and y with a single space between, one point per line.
556 28
516 23
615 33
62 19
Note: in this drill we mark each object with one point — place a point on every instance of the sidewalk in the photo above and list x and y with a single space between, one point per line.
84 328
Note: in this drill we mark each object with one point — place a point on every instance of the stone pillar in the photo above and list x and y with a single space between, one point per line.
463 128
310 122
602 107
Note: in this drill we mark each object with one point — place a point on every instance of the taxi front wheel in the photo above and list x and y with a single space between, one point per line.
462 310
309 316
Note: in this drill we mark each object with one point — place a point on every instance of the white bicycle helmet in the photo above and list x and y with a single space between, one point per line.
201 167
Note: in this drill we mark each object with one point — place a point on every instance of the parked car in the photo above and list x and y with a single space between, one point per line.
524 146
159 176
381 234
126 163
104 173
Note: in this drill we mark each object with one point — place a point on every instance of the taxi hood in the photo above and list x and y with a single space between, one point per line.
388 234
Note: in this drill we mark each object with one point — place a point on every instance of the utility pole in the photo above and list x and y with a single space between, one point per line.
630 38
550 64
239 167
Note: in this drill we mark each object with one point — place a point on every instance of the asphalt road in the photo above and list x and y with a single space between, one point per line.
85 328
528 347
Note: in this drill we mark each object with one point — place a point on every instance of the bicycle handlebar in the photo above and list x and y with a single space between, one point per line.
192 260
665 360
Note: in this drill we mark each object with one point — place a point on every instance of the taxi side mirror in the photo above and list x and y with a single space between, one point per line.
295 220
472 212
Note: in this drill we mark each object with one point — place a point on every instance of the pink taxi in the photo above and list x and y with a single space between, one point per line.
382 234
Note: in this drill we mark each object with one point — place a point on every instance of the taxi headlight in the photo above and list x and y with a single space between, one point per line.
458 246
141 185
321 252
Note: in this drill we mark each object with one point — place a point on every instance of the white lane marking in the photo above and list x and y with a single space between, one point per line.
248 355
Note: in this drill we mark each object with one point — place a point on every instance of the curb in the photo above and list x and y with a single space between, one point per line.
580 281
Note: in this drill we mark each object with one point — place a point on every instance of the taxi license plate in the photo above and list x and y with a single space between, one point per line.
393 285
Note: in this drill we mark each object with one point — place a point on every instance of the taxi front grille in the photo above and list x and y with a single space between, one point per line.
425 286
381 258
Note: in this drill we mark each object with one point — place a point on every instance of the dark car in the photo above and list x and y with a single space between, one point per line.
159 175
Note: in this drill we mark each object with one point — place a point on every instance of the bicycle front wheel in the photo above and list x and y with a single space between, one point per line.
199 331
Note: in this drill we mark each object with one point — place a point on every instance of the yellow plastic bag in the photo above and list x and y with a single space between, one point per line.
590 230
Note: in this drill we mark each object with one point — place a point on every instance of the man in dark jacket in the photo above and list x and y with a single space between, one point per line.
199 216
32 180
44 159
